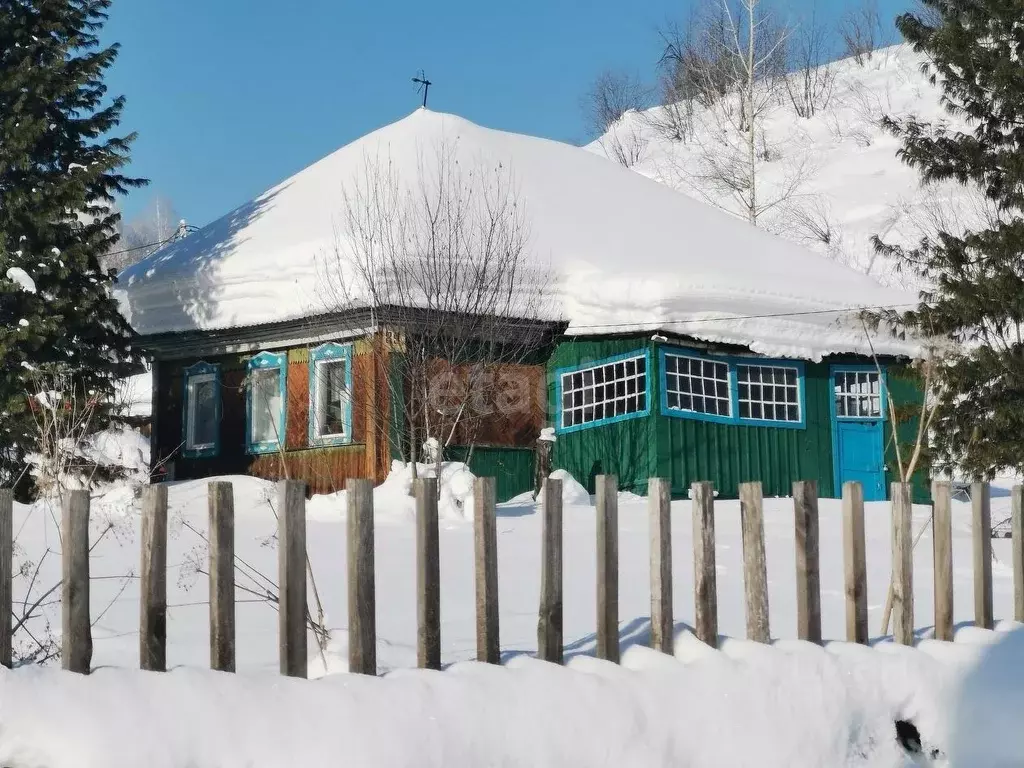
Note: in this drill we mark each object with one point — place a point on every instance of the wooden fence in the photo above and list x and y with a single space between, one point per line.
76 650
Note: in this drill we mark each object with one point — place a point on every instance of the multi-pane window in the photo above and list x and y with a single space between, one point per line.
331 397
202 410
614 389
858 394
697 386
768 392
267 387
330 394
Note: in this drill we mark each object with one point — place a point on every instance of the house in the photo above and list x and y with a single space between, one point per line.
676 340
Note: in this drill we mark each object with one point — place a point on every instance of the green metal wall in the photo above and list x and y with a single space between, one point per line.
512 468
689 450
730 454
624 448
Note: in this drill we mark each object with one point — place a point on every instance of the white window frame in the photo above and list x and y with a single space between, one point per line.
588 385
728 381
855 396
750 401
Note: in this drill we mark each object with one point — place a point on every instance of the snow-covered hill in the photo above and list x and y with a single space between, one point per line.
848 183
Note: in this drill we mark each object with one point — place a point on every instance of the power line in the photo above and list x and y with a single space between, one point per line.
188 228
701 320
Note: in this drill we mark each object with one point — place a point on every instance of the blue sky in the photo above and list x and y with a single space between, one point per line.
232 96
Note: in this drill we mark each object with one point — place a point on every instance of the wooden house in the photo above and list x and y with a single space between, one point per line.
678 341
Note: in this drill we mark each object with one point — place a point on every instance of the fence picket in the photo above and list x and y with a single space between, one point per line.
808 573
942 554
220 499
362 600
153 587
659 505
705 589
549 623
607 503
1017 532
291 549
76 638
755 574
428 576
6 575
855 564
902 565
485 540
981 529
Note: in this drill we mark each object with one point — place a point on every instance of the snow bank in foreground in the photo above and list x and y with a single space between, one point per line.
755 706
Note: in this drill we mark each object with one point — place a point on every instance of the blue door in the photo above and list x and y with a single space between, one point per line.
858 418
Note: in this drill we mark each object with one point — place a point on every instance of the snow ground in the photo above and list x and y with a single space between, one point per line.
792 705
852 183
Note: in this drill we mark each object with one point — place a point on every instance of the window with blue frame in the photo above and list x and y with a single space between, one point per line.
769 393
330 394
266 396
858 394
608 390
732 390
201 410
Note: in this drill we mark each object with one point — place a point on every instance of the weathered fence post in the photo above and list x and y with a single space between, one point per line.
428 576
549 625
362 601
981 528
755 573
153 588
902 565
942 555
485 549
1017 531
76 640
220 500
808 571
659 507
6 575
855 563
608 567
705 587
291 549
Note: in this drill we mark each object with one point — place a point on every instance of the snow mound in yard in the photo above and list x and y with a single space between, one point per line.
783 709
624 252
393 499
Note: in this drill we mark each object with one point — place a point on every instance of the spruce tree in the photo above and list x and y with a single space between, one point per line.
59 172
974 51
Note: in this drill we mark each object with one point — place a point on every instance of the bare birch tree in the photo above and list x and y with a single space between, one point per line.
607 107
741 55
442 258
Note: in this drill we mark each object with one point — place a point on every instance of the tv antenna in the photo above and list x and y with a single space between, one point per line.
422 84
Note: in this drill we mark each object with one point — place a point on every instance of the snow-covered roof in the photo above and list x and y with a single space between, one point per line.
627 253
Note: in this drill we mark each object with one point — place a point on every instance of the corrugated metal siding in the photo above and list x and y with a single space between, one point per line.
729 454
512 468
624 448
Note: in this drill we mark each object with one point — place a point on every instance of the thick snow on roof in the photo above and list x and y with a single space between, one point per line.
627 253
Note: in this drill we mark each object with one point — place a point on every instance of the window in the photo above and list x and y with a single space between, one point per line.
858 394
768 393
737 390
611 390
265 402
202 410
330 400
697 386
